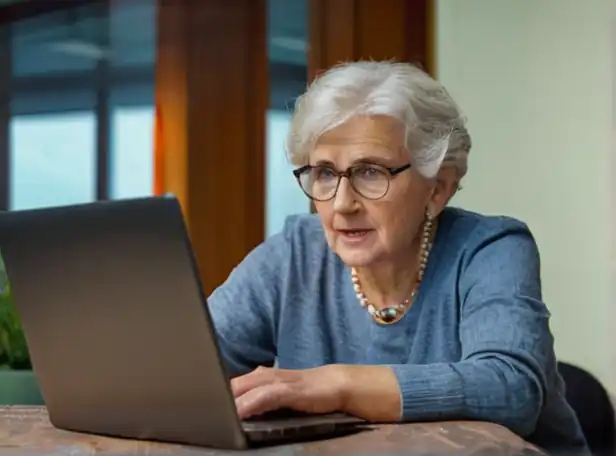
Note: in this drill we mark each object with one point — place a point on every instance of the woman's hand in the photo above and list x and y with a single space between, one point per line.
318 390
368 392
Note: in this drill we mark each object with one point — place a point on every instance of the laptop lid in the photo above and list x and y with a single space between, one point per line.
115 319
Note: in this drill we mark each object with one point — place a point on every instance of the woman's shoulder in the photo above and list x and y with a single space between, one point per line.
301 242
286 260
472 228
469 237
303 229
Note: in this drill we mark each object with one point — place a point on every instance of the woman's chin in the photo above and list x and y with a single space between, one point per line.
356 258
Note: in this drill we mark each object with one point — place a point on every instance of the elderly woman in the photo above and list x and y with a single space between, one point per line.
387 304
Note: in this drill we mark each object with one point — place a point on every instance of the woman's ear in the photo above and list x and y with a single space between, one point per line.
445 186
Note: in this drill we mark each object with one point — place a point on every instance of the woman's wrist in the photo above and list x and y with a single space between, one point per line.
369 392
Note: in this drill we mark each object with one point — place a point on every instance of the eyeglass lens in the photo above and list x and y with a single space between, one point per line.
321 182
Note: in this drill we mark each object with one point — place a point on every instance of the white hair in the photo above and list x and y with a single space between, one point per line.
435 130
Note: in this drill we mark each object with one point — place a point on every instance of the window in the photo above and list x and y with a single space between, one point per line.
284 195
287 53
52 159
81 94
132 161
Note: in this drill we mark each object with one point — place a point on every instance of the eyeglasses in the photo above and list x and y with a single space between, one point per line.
320 183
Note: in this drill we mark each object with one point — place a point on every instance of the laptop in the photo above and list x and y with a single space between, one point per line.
118 329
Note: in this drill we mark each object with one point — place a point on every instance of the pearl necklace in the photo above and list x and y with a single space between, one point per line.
389 315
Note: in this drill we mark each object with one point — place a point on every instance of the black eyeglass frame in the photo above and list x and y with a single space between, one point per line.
347 173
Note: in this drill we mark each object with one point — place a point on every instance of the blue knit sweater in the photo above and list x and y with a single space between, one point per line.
476 343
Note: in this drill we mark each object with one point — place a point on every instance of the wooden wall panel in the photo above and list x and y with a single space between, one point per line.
211 99
343 30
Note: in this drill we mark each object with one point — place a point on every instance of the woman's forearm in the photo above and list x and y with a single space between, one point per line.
484 389
494 389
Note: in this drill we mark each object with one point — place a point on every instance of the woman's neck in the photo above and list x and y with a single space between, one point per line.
390 283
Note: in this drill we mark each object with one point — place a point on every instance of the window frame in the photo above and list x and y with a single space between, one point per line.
100 90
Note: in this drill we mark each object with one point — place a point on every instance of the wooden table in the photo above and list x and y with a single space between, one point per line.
27 431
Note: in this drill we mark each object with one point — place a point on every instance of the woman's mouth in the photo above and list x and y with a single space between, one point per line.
354 235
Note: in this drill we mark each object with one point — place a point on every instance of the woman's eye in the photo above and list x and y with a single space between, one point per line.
324 173
368 171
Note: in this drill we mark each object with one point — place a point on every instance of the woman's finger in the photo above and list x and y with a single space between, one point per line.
263 399
258 377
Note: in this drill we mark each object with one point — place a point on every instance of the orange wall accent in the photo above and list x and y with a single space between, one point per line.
211 103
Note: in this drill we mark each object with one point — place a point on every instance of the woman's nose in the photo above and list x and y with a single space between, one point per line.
345 198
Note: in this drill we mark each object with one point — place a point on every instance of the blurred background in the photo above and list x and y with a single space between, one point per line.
125 98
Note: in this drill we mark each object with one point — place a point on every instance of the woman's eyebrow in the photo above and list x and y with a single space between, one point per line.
374 159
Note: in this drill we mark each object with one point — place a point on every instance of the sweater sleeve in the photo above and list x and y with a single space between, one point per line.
507 346
243 308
